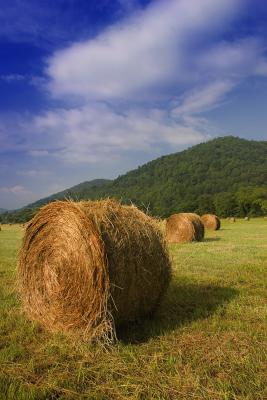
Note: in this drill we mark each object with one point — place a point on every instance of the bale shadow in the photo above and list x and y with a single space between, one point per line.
215 239
183 304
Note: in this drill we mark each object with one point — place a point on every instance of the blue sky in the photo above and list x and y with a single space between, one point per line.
92 89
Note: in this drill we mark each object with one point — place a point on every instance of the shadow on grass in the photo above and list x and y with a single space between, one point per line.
215 239
182 305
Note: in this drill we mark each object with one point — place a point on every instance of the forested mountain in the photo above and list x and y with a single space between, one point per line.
192 179
226 175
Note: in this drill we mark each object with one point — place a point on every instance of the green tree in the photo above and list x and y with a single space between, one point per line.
250 200
225 204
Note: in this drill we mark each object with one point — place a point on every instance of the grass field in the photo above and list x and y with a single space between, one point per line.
208 340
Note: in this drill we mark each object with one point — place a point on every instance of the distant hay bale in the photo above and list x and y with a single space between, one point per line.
232 219
87 267
184 227
246 218
211 221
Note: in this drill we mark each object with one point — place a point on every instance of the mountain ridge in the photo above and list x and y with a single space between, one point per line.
197 179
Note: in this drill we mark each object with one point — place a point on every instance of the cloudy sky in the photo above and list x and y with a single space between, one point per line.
91 89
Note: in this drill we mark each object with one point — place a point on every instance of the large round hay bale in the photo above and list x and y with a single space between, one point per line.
211 221
184 227
232 219
86 267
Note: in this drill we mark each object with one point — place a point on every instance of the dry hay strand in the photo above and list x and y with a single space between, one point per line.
211 221
161 223
184 227
85 268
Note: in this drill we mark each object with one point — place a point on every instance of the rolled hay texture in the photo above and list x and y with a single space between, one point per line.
211 221
184 227
87 267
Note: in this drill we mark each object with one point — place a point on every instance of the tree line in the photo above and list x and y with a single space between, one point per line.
247 201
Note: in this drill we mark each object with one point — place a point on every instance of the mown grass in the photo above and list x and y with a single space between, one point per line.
207 340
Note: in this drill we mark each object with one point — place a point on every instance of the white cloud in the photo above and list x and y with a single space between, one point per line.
95 132
32 173
16 190
89 133
235 59
221 68
13 77
203 99
142 53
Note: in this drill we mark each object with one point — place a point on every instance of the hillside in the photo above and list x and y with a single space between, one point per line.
189 180
226 175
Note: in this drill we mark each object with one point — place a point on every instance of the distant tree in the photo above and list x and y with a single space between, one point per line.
205 204
225 204
251 200
264 206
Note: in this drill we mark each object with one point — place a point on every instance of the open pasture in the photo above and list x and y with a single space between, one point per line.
206 341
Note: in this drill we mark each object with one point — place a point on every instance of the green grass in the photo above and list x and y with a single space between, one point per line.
206 341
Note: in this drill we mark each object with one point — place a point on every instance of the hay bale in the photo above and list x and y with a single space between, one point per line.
211 221
184 227
198 226
246 218
232 219
87 267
